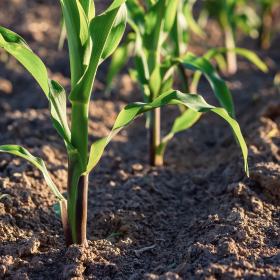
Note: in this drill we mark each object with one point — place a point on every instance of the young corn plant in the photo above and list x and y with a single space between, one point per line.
91 40
176 44
270 20
231 14
164 29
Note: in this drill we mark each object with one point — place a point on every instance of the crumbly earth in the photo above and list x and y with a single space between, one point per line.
198 217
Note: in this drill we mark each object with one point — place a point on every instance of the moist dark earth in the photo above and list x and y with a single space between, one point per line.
198 217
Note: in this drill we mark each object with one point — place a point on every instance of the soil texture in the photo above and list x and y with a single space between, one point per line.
198 217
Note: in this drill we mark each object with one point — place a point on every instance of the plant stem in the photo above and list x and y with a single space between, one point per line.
231 56
154 126
81 211
77 182
79 130
154 137
65 223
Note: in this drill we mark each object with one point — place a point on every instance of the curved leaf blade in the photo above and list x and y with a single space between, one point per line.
115 34
187 10
169 19
251 56
136 15
21 152
219 86
58 111
193 101
163 71
17 47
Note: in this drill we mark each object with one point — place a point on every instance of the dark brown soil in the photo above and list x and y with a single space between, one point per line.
198 217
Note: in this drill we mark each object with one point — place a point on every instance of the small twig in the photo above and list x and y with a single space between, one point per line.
210 194
140 251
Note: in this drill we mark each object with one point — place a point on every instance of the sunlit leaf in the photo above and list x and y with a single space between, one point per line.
18 48
21 152
192 101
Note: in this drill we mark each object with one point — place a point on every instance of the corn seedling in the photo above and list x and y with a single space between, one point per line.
91 39
154 35
270 20
231 14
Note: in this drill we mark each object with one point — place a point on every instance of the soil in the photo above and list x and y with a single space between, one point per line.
198 217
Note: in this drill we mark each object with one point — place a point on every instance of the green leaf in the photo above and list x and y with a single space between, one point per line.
164 70
251 56
119 59
136 15
187 10
4 195
149 3
21 152
78 38
183 122
17 47
192 101
113 20
58 112
219 86
63 32
154 22
89 8
115 34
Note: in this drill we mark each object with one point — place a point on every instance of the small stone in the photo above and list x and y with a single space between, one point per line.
5 86
227 246
166 276
137 167
121 175
242 252
36 263
124 243
242 235
2 209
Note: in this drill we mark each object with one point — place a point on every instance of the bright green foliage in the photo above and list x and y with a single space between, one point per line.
232 14
91 40
164 28
196 105
239 51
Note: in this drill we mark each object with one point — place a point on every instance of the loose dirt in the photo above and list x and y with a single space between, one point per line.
198 217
